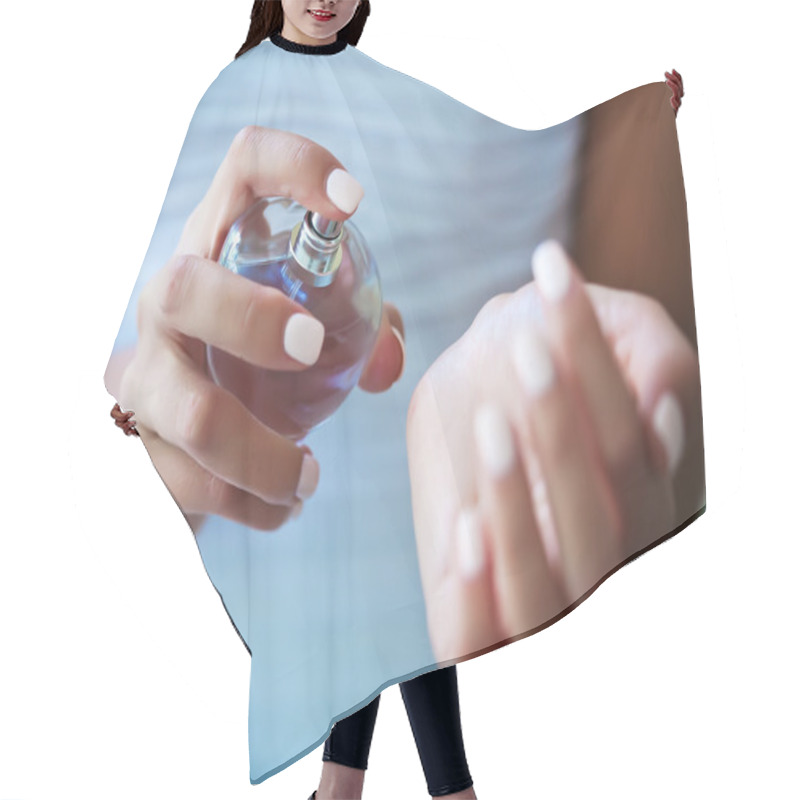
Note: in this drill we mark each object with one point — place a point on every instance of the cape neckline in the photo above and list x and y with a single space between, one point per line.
308 49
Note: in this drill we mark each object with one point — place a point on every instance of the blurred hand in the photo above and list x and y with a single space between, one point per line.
565 424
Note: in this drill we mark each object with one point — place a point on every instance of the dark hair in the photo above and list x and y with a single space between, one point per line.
266 19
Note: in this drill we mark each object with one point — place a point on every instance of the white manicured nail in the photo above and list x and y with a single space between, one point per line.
470 543
344 191
551 270
495 440
668 424
399 336
303 338
533 362
309 477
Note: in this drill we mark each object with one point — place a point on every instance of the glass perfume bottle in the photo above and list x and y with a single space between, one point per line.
325 266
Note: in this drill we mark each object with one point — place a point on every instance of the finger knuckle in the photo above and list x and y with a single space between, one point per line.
246 139
221 497
196 412
178 274
146 304
299 152
252 313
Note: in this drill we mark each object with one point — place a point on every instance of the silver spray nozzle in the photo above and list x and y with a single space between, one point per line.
327 228
316 246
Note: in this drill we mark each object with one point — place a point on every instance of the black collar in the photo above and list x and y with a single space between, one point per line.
308 49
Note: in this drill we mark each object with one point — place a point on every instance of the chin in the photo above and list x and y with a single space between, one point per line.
319 37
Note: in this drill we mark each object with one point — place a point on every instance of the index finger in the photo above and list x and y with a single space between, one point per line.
203 300
263 162
575 334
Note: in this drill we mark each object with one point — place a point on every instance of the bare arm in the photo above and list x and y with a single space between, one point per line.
631 224
632 229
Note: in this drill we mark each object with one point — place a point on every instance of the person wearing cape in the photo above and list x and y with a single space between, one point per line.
540 433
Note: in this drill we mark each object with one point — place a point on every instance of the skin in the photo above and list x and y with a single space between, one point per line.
541 550
498 604
301 27
590 435
337 781
194 430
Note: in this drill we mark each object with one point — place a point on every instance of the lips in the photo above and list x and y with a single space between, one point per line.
322 16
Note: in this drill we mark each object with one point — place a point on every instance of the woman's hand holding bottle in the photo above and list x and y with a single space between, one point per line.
214 456
559 436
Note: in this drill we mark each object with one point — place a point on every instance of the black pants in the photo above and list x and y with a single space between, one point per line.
432 706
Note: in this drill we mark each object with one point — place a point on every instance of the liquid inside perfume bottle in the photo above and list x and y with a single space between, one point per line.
327 268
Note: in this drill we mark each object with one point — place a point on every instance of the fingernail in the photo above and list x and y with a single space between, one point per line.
470 543
303 338
309 478
551 270
296 510
344 191
399 336
532 362
668 424
495 440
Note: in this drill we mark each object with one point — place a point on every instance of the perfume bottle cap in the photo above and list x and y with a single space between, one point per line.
327 228
316 245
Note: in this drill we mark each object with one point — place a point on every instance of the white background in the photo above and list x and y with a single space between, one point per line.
120 674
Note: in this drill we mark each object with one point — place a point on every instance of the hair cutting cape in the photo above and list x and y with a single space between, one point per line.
348 599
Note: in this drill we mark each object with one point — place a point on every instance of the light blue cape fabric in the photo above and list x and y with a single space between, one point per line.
331 605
